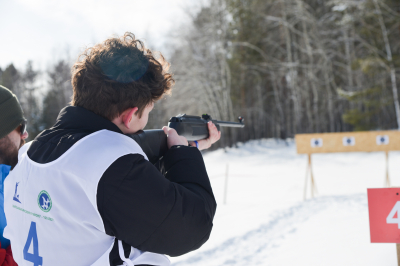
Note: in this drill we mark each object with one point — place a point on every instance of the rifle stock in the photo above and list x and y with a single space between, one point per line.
153 143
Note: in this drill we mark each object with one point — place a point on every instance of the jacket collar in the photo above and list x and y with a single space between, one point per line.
75 117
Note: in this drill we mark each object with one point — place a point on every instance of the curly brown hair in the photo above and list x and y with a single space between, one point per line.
118 74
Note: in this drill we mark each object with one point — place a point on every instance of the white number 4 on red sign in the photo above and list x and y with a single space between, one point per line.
391 219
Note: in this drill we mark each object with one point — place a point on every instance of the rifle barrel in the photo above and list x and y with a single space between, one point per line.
228 124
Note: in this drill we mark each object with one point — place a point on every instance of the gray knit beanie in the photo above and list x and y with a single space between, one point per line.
11 114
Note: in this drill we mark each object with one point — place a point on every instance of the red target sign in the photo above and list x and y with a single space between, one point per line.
384 214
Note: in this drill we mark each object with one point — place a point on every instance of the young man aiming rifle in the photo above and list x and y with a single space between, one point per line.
12 136
88 195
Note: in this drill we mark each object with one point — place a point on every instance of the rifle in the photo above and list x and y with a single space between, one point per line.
154 142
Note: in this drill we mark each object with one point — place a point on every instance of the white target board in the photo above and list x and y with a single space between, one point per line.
382 139
349 141
318 142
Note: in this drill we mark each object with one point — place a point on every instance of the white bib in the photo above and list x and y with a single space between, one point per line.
51 209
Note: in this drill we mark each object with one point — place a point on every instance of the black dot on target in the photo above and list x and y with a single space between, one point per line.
397 194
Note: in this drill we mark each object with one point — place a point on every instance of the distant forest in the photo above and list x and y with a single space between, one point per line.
287 66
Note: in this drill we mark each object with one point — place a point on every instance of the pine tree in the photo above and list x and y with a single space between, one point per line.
10 79
29 100
59 94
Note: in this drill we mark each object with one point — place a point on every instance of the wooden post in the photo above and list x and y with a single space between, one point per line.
226 183
398 254
305 185
387 169
313 187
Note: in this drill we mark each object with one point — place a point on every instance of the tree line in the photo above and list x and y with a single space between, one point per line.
291 66
40 107
287 66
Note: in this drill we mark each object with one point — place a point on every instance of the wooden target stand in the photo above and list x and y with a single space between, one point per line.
398 253
370 141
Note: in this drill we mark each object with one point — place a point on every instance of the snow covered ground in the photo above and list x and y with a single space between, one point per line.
266 222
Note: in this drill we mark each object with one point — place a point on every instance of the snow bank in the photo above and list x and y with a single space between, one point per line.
266 221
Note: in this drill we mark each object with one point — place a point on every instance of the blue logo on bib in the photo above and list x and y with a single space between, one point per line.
44 201
16 196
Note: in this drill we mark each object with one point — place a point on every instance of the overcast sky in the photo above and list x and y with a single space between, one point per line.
44 31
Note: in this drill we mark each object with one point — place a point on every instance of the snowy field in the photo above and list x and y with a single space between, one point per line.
266 222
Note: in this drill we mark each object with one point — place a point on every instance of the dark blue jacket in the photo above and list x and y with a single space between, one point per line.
4 171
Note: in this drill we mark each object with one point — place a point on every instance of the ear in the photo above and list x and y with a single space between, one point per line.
127 116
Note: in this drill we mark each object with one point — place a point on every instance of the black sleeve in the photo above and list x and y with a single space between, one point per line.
169 214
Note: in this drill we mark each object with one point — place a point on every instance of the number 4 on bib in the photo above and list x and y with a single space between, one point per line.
32 238
391 219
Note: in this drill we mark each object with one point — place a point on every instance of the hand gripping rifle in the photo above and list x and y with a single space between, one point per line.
154 141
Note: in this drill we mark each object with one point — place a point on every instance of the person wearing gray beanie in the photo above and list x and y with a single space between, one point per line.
12 136
12 127
11 114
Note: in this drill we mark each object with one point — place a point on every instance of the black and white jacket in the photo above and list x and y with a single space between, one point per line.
174 205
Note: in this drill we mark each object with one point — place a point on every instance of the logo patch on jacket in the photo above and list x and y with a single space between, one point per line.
16 196
44 201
